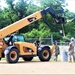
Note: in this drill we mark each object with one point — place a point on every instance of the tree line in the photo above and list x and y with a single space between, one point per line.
43 28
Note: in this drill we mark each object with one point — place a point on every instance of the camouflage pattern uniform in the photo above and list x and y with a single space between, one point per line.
56 53
71 51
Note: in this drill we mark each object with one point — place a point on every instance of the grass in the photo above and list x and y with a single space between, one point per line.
34 59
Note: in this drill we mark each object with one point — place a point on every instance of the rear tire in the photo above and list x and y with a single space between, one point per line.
27 58
12 56
44 55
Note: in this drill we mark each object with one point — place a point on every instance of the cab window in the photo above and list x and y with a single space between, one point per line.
18 38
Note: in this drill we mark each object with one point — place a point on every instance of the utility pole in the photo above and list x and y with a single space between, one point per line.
51 38
63 31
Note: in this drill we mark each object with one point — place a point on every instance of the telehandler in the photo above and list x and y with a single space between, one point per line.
13 46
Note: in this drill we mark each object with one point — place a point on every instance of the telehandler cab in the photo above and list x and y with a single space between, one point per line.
13 46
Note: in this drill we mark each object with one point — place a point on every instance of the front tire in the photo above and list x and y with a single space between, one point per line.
12 56
44 55
27 58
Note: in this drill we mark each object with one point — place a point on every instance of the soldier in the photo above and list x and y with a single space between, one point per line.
71 50
56 53
37 43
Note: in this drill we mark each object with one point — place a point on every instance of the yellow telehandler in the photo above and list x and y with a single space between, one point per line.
13 46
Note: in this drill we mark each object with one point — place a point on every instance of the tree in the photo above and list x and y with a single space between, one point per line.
43 27
19 8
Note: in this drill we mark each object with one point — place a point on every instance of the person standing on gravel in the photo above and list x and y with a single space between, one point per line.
71 50
56 52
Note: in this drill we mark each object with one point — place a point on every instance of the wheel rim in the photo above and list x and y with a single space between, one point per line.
45 54
13 55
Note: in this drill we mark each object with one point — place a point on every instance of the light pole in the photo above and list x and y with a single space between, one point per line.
63 31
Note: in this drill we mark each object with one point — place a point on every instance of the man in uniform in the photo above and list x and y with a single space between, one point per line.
71 50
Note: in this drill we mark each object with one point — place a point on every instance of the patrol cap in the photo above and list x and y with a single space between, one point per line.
72 38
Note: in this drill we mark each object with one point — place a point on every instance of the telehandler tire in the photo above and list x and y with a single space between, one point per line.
12 56
27 58
44 55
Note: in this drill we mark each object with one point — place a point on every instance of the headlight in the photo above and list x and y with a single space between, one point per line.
39 48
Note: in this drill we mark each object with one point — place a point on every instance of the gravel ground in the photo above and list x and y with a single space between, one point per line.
37 67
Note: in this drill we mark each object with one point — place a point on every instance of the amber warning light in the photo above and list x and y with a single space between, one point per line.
1 43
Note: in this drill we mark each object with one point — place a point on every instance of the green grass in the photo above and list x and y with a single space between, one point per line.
34 59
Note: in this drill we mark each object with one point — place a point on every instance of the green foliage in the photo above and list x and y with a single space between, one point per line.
70 29
42 28
57 36
69 15
33 34
38 34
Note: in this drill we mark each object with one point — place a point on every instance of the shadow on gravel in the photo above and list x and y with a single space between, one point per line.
20 62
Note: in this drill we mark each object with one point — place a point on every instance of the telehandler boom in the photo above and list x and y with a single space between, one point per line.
13 46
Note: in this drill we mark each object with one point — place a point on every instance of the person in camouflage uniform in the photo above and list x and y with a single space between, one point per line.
56 53
71 50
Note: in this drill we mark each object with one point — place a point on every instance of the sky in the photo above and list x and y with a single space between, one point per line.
71 5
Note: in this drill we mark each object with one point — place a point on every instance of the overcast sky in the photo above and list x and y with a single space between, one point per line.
71 5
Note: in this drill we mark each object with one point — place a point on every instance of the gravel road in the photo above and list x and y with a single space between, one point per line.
37 67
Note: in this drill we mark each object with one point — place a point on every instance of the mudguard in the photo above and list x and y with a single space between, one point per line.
8 49
42 47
